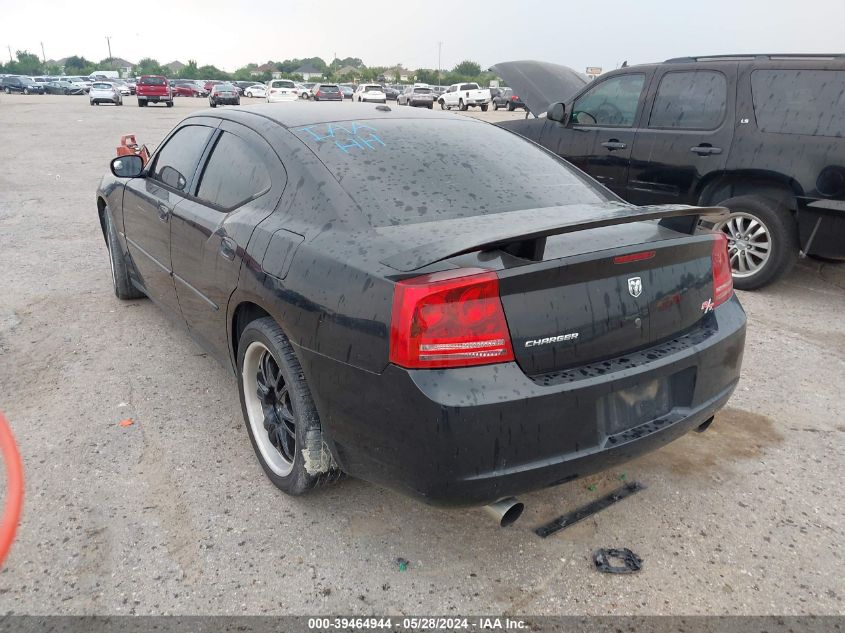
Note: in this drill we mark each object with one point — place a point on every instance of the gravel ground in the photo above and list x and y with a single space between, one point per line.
173 514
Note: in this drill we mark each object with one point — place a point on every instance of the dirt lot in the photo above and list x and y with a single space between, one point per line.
173 514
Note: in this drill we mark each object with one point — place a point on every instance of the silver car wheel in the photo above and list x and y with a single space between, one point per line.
269 408
749 243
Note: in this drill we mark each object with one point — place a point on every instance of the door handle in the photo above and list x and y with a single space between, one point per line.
228 248
163 212
705 150
613 144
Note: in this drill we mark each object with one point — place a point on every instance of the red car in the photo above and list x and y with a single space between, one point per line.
154 89
187 90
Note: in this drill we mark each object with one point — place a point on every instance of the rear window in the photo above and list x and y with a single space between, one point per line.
283 84
234 174
690 100
799 101
329 88
152 81
372 88
422 91
469 87
438 180
101 86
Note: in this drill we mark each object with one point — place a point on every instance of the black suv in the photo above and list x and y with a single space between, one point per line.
24 85
763 135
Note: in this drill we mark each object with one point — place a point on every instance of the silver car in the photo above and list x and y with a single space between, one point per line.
104 92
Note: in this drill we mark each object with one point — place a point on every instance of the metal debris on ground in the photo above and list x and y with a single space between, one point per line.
631 563
403 564
591 508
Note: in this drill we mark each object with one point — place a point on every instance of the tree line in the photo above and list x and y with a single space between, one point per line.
30 64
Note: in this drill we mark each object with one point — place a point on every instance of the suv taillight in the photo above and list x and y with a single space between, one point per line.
723 283
449 319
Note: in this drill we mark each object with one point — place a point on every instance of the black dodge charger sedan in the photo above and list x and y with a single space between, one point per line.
463 322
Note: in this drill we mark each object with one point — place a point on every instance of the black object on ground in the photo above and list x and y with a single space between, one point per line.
591 508
631 562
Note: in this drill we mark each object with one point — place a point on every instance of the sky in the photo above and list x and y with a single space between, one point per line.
230 34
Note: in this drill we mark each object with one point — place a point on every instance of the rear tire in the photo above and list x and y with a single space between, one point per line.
510 107
484 107
279 412
779 239
169 104
461 105
123 288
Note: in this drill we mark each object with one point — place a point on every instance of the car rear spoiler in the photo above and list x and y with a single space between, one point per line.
524 233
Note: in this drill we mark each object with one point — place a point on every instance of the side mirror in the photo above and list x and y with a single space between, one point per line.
127 166
556 112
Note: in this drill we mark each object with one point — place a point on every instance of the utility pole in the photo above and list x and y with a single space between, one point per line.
108 41
43 56
10 52
439 50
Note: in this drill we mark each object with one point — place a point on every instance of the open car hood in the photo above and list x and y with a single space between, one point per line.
539 84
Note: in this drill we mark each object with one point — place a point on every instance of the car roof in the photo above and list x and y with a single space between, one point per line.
290 115
767 60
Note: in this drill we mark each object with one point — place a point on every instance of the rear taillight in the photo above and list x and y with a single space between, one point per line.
723 284
449 319
514 98
318 93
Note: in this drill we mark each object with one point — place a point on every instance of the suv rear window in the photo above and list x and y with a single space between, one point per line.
152 81
799 101
437 180
283 84
326 88
690 100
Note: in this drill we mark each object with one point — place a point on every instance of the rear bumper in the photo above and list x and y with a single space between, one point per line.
155 98
423 103
473 435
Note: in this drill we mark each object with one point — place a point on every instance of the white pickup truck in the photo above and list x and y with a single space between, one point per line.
464 95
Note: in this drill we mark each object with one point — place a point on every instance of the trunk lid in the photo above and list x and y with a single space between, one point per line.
591 308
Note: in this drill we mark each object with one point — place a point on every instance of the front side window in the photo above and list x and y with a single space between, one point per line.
613 102
234 174
176 162
799 101
690 100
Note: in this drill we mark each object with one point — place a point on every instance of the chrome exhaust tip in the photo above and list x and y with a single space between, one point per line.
505 511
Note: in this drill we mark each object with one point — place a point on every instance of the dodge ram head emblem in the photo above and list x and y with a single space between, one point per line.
635 286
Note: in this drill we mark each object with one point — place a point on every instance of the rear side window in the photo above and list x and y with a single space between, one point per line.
612 102
234 174
177 161
690 100
799 101
440 179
